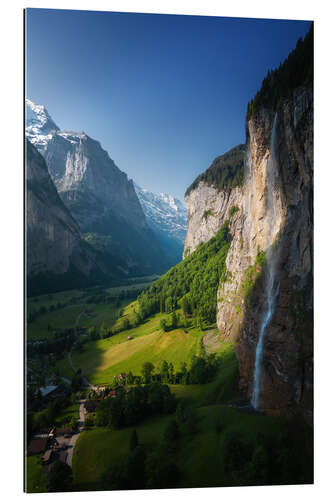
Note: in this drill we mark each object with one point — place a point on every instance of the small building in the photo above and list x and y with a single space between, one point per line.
112 394
48 390
37 445
121 378
61 391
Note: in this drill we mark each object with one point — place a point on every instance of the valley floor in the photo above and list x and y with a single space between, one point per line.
219 435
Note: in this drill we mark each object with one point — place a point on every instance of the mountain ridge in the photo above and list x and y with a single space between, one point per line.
98 194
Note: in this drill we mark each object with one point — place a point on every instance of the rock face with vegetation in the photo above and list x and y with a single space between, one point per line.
269 209
56 253
212 195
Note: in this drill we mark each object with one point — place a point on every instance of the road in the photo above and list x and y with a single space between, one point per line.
75 437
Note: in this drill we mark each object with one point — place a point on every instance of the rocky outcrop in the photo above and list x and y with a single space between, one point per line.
273 206
56 255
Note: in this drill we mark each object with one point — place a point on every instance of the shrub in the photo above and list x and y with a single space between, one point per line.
233 210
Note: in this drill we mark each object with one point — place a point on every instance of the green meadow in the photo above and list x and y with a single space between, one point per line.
35 477
126 351
199 457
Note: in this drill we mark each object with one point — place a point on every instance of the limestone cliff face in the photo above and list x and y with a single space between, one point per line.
78 165
274 207
54 245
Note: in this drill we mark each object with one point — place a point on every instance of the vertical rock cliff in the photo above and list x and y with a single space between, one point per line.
270 208
266 303
56 257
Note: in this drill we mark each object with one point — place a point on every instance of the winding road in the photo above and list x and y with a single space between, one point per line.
75 437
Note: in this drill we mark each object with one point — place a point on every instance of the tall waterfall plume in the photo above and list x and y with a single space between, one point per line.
272 284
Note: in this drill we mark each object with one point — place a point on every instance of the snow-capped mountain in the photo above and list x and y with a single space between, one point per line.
167 217
39 125
99 196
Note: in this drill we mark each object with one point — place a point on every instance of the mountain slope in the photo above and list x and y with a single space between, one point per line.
99 196
167 218
57 257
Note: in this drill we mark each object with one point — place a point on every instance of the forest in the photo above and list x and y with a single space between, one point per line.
225 173
192 284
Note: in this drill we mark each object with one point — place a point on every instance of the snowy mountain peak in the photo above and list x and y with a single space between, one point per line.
175 204
162 200
164 213
39 125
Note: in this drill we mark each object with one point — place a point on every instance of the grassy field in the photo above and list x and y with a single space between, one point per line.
101 360
35 478
199 456
221 389
62 318
75 302
115 291
66 318
99 448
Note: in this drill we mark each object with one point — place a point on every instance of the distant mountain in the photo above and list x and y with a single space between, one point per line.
57 256
167 217
97 193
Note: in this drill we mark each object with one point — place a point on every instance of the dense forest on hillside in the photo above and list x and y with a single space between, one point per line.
191 284
225 173
279 84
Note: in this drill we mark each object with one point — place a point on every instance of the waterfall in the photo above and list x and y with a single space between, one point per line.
272 287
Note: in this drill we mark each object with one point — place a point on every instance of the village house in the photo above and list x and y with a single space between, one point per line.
38 445
112 394
121 378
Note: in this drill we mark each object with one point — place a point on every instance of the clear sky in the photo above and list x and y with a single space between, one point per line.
163 94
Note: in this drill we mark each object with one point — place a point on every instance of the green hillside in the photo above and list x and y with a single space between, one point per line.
191 284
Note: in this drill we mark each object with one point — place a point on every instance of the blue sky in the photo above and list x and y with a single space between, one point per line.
163 94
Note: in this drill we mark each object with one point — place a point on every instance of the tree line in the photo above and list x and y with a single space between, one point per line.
279 84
